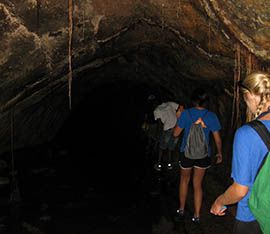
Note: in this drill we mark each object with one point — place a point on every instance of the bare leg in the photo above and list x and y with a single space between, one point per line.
183 187
198 193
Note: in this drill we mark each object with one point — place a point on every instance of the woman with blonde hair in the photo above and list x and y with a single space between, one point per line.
247 157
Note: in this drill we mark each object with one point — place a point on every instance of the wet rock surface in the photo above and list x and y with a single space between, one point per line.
171 45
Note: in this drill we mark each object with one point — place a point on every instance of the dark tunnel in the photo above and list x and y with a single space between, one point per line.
95 173
105 134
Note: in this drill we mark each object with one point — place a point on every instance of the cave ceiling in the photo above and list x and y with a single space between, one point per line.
47 46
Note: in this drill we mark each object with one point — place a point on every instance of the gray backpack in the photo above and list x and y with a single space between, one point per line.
197 146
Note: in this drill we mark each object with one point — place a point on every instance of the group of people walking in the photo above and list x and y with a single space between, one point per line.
197 123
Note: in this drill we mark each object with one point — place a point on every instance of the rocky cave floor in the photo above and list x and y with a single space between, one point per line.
57 194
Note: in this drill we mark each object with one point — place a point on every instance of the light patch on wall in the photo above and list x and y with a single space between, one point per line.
32 4
88 7
262 37
17 37
85 11
95 22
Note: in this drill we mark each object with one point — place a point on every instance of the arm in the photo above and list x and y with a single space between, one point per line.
178 114
145 123
232 195
177 131
218 142
179 111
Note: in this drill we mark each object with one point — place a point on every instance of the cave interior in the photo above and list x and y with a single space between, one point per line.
75 78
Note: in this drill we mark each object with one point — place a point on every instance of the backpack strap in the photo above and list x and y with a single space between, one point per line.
204 114
263 132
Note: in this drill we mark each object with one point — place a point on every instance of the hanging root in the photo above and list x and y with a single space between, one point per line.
70 31
237 77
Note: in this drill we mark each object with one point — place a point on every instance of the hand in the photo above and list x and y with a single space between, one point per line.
219 158
218 209
200 121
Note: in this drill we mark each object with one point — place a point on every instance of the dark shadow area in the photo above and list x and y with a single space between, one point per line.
96 176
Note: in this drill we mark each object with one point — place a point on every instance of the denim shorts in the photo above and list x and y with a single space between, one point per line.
187 163
167 140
